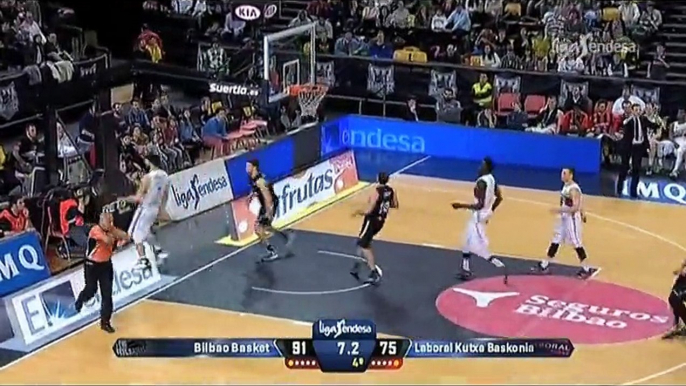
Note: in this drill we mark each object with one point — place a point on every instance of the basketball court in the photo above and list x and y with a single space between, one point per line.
221 292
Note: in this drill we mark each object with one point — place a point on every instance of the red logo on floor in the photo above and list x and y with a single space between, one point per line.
587 312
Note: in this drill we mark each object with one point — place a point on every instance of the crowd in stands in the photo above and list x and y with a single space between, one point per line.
24 39
181 136
601 38
161 129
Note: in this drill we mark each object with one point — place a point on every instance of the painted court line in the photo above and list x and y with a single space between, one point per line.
600 217
326 292
191 274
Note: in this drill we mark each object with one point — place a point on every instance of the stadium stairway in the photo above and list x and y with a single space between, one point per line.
673 34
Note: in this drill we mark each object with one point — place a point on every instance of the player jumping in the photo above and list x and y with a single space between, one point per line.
569 227
269 203
151 199
380 203
487 198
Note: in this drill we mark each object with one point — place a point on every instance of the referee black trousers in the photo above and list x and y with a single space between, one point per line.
632 157
676 302
98 275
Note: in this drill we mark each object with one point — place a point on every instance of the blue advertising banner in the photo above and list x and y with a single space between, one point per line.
461 142
659 190
22 263
276 161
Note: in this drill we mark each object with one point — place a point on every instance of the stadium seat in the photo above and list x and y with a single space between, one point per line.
401 56
514 9
533 104
610 14
505 103
416 55
476 60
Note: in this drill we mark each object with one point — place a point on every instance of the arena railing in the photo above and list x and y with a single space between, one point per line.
24 100
400 79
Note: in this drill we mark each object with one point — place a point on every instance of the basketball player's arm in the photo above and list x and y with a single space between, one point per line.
479 193
498 198
371 201
163 215
395 204
142 190
269 200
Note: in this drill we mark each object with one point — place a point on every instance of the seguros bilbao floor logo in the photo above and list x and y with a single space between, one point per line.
296 193
587 312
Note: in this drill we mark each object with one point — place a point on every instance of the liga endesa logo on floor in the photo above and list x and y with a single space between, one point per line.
587 312
299 192
48 310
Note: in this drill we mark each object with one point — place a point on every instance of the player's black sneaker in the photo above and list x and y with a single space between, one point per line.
675 332
539 269
374 278
269 257
465 275
506 276
585 273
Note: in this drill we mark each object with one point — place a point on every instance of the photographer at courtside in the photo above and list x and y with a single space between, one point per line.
99 272
676 301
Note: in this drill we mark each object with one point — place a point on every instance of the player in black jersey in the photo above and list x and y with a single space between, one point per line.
380 203
676 300
269 203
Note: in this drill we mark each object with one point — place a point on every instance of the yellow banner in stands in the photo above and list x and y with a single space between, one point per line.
280 223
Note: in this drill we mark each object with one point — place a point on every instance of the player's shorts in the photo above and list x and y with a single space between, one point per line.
475 239
568 231
370 228
266 221
141 225
664 148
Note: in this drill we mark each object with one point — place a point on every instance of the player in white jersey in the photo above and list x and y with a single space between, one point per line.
487 198
569 226
678 139
152 200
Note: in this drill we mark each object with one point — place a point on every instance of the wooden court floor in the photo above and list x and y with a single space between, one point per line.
637 245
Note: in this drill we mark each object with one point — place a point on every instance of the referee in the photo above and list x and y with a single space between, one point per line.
676 301
98 270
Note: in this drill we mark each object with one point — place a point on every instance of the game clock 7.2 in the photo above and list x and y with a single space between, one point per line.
344 355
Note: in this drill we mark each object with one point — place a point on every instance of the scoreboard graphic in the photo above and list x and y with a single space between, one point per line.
342 346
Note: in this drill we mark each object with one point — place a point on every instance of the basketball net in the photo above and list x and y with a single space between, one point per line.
309 97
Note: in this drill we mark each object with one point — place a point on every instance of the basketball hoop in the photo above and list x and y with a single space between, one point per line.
309 96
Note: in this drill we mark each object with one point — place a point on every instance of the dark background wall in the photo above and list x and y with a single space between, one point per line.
117 23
